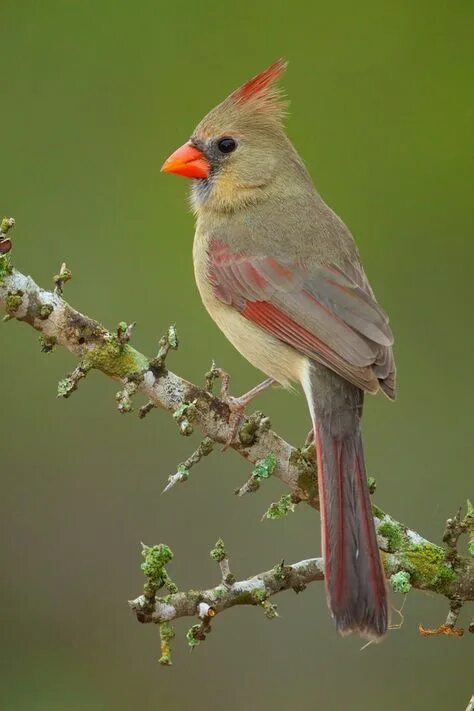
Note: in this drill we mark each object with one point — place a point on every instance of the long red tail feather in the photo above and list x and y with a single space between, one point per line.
355 581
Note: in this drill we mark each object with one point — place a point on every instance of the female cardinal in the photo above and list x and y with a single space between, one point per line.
280 274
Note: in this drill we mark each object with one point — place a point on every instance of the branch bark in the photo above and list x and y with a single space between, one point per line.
409 559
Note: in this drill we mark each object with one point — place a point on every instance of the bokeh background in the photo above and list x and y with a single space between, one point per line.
94 96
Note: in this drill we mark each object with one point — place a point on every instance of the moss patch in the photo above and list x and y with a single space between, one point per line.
424 564
115 359
427 566
393 533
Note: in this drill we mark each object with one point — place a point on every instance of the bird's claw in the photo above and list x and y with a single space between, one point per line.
237 405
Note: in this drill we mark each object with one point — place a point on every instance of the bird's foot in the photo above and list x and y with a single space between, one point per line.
237 405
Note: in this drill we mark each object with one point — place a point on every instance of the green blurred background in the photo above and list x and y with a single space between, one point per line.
95 95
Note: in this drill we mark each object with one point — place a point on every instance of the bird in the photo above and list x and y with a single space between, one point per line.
280 274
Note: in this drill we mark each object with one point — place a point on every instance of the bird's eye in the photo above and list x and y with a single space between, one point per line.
227 145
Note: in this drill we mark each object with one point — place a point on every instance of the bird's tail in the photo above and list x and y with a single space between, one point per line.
355 581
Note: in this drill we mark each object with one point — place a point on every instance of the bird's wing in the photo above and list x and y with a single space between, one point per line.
320 312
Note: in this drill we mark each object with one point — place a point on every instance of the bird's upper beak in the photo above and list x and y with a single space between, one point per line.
188 161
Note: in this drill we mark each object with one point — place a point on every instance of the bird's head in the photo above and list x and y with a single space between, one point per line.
236 150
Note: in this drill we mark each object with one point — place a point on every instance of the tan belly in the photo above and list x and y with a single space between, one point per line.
262 350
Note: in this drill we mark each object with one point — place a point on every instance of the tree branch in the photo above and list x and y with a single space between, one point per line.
409 559
251 591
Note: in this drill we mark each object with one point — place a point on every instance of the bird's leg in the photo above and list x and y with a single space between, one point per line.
237 405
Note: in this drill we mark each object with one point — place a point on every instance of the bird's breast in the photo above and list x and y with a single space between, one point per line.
261 349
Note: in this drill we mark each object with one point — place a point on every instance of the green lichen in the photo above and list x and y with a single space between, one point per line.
156 558
280 508
5 267
47 343
427 566
270 610
259 596
65 387
116 359
13 302
220 592
400 582
184 415
282 572
166 635
255 424
45 311
218 553
393 532
166 342
62 278
264 468
372 484
173 337
193 634
425 563
378 512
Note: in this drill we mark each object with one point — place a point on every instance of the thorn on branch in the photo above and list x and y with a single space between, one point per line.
60 279
182 473
69 384
264 468
166 343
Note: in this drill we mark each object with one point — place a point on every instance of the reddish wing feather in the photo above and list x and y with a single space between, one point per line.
339 327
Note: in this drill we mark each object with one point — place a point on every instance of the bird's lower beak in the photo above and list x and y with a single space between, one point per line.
187 161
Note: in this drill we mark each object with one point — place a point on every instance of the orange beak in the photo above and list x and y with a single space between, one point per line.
187 161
